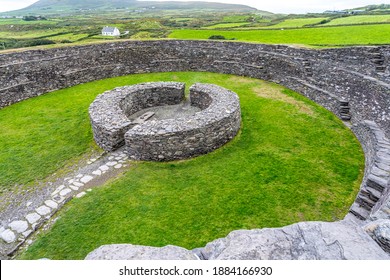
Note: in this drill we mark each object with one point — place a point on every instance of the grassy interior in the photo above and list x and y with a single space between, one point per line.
292 161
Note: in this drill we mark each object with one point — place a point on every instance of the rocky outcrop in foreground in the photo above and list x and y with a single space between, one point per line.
344 240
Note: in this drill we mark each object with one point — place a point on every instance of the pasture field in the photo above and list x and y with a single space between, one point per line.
292 161
235 18
330 36
360 20
17 21
227 25
297 22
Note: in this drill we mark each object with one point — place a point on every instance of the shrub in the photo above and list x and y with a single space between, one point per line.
217 37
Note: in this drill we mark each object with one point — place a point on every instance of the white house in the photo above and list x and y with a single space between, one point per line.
110 31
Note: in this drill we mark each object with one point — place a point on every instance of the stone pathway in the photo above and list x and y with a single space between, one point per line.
16 231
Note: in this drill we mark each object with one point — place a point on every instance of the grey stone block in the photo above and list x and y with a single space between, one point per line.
135 252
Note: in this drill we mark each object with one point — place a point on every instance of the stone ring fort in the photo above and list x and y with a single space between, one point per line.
353 83
209 120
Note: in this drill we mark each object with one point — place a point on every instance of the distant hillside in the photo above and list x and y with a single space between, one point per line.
58 6
369 8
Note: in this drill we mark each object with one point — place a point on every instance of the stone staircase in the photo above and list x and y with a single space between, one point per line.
377 174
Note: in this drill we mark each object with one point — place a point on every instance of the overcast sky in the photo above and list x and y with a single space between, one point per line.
275 6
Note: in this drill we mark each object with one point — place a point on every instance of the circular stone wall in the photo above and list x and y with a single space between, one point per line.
217 122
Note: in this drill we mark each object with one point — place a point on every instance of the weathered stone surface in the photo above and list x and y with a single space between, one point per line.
51 204
86 179
66 191
32 218
104 168
97 172
382 236
134 252
19 226
80 194
8 236
109 112
302 241
78 184
43 210
217 122
379 230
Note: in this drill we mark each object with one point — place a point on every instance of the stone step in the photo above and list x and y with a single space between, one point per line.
376 55
367 194
359 211
380 68
365 202
379 61
376 182
374 193
346 117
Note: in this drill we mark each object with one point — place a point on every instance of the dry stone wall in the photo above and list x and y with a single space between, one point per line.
168 139
353 83
217 123
109 112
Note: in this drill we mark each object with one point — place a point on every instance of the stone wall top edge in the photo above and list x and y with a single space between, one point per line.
107 45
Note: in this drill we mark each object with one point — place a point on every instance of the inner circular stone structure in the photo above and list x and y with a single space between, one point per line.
156 122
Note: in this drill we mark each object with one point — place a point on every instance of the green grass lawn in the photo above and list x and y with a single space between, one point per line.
292 161
296 22
360 19
330 36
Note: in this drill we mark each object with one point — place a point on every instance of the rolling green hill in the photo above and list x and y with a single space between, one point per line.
65 6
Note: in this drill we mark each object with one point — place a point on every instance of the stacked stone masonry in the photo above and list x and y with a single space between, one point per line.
172 139
169 139
375 188
353 83
109 112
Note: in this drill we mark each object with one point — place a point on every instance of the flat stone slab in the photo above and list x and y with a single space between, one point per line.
86 179
8 236
143 118
302 241
33 218
81 194
135 252
19 226
43 210
65 192
51 204
104 168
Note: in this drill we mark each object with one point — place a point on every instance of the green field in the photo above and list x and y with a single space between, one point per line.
70 36
227 25
235 18
297 22
292 161
16 21
32 34
360 20
330 36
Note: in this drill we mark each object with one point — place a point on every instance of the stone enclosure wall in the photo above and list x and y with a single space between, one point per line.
109 112
169 139
353 83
